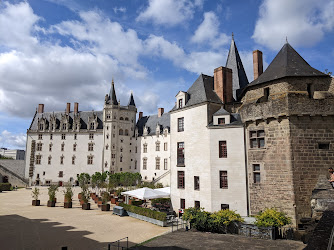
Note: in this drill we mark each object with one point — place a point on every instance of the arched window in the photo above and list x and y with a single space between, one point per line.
126 118
126 132
121 132
121 118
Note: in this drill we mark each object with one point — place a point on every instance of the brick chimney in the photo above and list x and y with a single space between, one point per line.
257 63
223 84
140 115
40 108
76 108
68 108
160 112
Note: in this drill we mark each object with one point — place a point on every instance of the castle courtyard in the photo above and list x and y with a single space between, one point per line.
23 226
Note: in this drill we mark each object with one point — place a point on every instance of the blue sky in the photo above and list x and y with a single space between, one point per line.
59 51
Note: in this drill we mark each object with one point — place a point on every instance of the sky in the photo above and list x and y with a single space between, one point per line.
59 51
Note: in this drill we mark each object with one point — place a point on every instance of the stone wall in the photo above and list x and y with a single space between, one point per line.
14 170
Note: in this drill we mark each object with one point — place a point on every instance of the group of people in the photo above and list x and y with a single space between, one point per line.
331 176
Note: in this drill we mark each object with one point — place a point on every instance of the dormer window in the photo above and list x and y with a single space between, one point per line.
64 126
92 126
41 126
180 103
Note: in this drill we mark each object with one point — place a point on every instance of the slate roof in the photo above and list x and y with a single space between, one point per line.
201 91
239 77
235 121
151 123
83 119
286 63
131 101
221 111
112 99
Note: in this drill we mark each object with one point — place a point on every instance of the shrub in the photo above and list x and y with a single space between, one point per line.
52 192
272 218
35 193
105 197
5 186
144 211
222 219
136 203
85 194
160 200
68 193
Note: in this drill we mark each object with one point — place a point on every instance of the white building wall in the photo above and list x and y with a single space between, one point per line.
235 195
69 170
196 140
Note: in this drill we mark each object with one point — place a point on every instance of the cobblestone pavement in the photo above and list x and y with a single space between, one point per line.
200 240
23 226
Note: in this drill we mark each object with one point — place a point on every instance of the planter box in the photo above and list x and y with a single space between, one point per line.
51 203
148 219
86 206
99 203
105 207
36 202
113 200
67 204
253 231
82 202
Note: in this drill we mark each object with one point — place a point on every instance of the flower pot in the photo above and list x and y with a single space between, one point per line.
36 202
65 200
67 204
105 207
113 200
86 206
51 203
82 202
79 196
99 203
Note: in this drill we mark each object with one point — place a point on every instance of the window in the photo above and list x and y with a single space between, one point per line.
126 132
180 124
266 94
180 153
64 126
113 135
113 163
90 160
197 204
157 146
121 169
41 126
91 146
38 159
126 119
91 136
107 136
224 206
144 163
107 127
180 103
61 159
60 174
145 148
136 164
257 139
52 126
108 116
39 146
106 164
310 90
43 172
73 160
323 146
256 173
136 149
157 163
37 176
51 136
63 136
107 147
165 146
121 118
222 149
196 182
180 179
221 121
223 179
74 147
92 125
182 203
113 156
62 147
49 160
121 132
121 159
121 149
50 147
75 136
165 164
40 136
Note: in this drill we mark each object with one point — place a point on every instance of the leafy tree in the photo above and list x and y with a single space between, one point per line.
272 218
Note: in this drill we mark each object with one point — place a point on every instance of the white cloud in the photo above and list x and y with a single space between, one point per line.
208 32
12 141
120 9
303 22
170 12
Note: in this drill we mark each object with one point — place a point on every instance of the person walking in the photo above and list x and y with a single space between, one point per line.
331 176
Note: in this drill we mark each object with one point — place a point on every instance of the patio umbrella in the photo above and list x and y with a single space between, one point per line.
145 193
165 190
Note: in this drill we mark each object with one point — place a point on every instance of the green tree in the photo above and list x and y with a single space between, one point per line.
270 217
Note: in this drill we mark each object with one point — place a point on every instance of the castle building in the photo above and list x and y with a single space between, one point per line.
226 143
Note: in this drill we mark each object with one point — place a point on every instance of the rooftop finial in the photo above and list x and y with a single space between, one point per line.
232 36
112 81
286 39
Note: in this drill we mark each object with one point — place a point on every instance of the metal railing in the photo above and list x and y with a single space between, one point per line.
117 244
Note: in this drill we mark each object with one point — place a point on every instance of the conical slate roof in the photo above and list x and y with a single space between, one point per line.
286 63
131 101
112 95
239 77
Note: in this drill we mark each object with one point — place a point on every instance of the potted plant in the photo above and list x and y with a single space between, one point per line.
68 195
35 194
52 190
105 198
85 196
